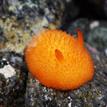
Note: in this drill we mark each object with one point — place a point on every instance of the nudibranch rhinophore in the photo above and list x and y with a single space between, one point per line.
58 60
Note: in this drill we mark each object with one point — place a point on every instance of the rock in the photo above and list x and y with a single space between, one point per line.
13 76
56 13
97 35
34 9
3 7
82 24
13 36
27 18
94 32
22 19
92 94
2 38
19 20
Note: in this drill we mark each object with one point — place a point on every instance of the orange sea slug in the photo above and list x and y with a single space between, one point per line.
58 60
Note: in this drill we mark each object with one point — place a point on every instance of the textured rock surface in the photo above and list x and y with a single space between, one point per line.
82 24
93 94
95 32
12 80
97 35
22 19
19 20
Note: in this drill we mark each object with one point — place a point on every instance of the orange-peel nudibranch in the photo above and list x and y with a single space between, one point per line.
58 60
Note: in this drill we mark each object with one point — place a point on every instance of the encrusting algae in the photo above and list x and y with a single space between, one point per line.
58 60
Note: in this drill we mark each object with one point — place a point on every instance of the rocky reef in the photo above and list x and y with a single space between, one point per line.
13 75
20 20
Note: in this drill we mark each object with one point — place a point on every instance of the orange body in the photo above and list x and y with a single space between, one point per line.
58 60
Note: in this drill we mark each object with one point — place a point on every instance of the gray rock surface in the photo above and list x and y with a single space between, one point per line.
19 20
97 35
13 76
95 32
92 94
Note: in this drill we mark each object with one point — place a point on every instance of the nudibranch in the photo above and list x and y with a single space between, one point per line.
59 60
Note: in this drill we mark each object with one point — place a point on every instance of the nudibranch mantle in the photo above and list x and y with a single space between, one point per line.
59 60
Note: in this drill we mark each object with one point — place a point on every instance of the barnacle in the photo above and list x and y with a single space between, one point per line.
58 60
